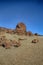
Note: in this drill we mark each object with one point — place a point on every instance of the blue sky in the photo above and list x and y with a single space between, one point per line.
29 12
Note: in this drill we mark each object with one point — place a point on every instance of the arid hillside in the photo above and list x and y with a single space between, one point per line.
27 53
19 47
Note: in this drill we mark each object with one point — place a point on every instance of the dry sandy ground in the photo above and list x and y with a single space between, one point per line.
27 54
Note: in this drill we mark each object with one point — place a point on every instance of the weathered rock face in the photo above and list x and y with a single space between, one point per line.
9 31
3 30
21 28
29 33
7 43
16 43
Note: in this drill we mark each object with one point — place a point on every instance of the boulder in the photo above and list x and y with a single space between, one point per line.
20 28
15 43
7 44
29 33
36 34
35 40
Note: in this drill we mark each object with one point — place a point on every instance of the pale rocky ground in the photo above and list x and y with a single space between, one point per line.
27 54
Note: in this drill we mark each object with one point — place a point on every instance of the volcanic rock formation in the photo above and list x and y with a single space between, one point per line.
21 28
29 33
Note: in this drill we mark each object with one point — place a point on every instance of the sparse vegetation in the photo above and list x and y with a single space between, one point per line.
22 51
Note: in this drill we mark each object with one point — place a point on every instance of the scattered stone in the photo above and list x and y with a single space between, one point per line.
35 40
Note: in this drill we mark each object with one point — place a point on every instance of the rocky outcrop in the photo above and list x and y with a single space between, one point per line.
6 30
29 33
20 28
7 43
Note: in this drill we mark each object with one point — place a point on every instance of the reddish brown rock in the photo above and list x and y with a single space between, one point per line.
35 40
0 41
15 43
4 42
6 30
20 28
29 33
7 44
2 38
2 29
